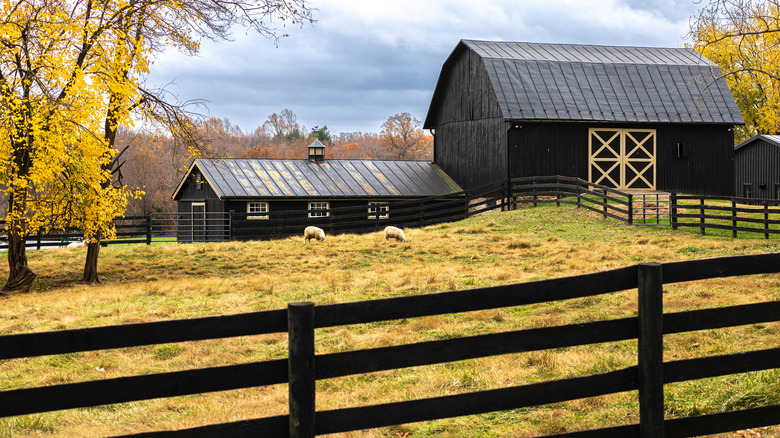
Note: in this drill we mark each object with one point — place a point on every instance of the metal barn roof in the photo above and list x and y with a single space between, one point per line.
535 81
771 139
257 178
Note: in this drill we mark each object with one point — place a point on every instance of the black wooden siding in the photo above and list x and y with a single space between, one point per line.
558 92
190 193
555 148
470 134
758 164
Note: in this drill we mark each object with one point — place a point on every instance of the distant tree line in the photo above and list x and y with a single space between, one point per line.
156 163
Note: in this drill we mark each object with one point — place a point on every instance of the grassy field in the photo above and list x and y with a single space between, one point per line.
158 282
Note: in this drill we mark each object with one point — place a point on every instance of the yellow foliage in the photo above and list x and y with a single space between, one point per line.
742 39
69 77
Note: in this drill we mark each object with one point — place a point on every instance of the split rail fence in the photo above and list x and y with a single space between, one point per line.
713 213
302 368
746 215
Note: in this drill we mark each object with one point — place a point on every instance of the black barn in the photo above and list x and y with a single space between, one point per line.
626 117
757 167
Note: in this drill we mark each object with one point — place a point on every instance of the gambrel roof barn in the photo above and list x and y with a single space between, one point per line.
628 117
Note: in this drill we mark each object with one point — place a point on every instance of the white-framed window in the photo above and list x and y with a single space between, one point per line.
257 210
319 206
381 207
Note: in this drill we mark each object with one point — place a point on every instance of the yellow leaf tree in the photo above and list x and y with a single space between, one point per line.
743 38
70 76
51 106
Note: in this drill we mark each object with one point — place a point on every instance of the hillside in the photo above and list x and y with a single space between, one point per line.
149 283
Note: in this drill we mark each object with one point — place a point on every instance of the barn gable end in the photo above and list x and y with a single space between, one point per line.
468 113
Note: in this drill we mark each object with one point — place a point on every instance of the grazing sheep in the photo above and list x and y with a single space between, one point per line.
82 244
394 233
313 233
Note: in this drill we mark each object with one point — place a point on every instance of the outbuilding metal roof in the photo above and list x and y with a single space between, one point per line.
600 83
771 139
256 178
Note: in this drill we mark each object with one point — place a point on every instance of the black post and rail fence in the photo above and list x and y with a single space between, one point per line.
302 369
705 213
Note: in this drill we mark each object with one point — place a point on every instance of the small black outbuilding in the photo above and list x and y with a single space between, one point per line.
757 167
254 194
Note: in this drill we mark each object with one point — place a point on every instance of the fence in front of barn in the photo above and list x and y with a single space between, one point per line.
706 213
501 196
302 368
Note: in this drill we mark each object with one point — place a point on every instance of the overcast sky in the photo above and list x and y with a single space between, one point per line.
365 60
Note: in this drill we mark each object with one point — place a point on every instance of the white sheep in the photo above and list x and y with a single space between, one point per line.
81 244
394 233
313 233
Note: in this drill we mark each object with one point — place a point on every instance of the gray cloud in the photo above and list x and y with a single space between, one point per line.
362 62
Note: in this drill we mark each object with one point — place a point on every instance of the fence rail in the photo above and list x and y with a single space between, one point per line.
738 215
303 368
747 215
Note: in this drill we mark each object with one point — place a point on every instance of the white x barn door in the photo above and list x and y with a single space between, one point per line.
622 158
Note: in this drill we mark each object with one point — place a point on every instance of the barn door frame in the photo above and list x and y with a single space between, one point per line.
624 158
198 219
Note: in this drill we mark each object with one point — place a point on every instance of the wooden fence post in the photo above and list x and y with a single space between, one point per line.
149 230
630 209
505 206
733 218
766 220
701 216
579 200
300 369
650 349
673 210
605 203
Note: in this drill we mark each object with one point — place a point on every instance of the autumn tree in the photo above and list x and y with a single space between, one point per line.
743 38
149 165
51 149
284 126
70 75
404 138
357 145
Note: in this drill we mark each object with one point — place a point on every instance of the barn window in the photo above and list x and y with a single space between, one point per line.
747 190
681 151
198 181
257 210
381 207
777 191
314 206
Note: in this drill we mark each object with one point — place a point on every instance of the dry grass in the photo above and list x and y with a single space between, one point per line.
142 283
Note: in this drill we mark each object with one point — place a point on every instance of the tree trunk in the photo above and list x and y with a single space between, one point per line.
90 266
20 277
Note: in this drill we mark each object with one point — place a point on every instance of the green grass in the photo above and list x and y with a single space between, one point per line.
170 281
